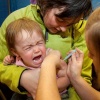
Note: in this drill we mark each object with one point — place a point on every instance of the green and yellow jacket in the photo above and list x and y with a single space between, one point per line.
63 41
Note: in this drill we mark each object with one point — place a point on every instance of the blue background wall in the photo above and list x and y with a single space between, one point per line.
8 6
16 4
3 10
95 3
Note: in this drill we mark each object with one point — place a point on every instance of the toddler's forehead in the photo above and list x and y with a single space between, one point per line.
22 35
28 35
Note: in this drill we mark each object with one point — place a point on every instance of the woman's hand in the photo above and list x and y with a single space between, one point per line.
53 56
75 64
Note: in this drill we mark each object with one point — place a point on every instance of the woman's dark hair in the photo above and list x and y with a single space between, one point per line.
72 8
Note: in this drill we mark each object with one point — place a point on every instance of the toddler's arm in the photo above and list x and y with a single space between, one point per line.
62 80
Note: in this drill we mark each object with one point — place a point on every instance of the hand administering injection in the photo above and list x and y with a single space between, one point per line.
75 64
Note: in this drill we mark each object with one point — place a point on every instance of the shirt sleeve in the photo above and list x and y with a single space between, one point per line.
10 75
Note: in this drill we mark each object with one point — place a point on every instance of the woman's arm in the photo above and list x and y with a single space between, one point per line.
47 88
84 90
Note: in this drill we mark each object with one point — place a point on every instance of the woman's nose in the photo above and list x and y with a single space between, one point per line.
63 29
58 28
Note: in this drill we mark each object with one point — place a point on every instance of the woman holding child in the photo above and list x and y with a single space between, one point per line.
62 22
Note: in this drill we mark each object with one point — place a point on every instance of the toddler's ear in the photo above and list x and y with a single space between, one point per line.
14 52
18 58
